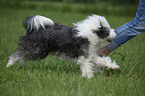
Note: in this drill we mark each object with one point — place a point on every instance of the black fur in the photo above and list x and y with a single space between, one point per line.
59 41
27 25
102 32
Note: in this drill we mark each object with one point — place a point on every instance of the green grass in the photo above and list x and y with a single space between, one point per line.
116 9
54 76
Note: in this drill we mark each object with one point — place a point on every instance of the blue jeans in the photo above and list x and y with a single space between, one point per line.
131 29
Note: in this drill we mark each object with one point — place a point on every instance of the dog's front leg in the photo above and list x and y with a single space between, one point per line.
105 62
86 67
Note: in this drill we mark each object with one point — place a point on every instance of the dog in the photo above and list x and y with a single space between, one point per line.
79 42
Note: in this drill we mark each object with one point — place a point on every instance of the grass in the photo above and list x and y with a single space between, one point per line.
54 76
117 9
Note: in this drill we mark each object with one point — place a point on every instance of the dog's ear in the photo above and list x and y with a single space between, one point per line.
102 32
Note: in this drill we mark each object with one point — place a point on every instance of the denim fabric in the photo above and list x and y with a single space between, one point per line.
131 29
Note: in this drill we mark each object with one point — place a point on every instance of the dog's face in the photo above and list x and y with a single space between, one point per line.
105 34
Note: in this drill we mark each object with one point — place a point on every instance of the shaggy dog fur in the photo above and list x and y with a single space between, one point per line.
44 37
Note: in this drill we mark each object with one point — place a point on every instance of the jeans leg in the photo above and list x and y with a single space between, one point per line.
125 33
131 29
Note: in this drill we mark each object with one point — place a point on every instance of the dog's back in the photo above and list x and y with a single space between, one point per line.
56 39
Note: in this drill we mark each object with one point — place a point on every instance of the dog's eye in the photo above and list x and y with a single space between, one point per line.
95 31
102 32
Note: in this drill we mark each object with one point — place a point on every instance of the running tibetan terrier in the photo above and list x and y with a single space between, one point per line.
81 42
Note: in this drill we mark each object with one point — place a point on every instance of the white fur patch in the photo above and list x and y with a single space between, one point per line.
86 28
38 21
12 61
86 67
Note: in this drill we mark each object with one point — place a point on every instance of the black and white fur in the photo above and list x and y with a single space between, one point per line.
44 37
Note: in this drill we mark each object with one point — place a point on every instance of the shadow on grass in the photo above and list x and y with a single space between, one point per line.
59 66
112 72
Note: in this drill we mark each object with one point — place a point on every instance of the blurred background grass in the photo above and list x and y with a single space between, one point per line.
115 7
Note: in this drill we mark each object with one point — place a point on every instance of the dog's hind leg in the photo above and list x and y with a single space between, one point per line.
14 58
86 67
21 64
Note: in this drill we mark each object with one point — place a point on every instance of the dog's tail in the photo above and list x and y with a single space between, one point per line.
35 22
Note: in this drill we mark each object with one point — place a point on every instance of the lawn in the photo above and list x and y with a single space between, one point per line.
55 76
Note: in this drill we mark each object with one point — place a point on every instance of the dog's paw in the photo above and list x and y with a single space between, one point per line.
114 67
88 75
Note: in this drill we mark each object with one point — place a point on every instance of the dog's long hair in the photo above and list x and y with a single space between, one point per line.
54 39
81 42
